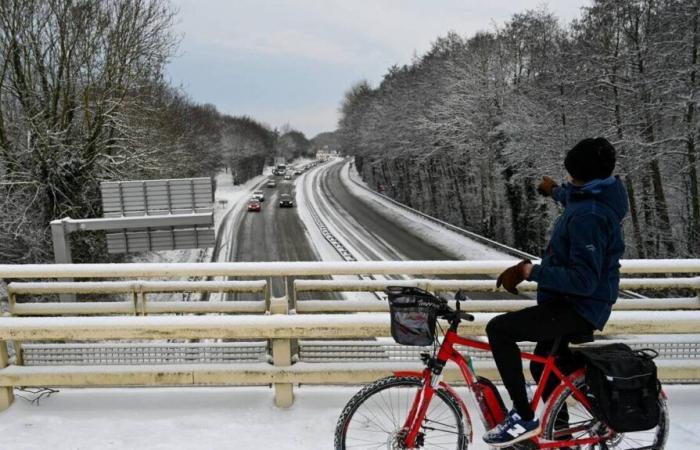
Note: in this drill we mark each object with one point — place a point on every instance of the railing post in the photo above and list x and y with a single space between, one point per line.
282 356
290 293
6 394
135 301
267 295
12 300
140 300
19 353
62 251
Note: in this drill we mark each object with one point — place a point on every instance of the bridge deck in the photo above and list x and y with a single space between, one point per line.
222 418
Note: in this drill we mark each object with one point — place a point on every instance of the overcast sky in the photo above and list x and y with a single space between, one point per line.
291 61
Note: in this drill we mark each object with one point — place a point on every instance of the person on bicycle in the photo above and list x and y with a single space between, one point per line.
577 279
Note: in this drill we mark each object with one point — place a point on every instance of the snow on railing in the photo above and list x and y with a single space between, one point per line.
150 270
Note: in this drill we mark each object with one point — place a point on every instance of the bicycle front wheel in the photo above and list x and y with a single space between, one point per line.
569 419
374 417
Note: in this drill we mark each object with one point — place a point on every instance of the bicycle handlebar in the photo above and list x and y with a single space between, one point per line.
451 314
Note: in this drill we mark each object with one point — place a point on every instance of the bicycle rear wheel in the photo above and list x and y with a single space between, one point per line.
567 418
374 417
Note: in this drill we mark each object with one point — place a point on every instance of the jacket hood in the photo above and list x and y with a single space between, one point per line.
609 191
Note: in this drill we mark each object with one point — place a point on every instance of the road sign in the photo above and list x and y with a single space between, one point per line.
157 240
157 197
145 199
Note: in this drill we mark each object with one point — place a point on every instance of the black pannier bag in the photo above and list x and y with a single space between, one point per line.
622 386
413 315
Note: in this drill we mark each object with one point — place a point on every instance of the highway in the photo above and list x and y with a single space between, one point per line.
273 234
374 234
280 234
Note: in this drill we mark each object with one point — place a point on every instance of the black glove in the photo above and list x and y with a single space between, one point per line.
513 276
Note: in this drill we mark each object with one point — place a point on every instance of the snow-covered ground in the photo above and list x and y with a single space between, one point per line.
223 418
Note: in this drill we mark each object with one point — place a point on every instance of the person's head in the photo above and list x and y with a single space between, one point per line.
590 159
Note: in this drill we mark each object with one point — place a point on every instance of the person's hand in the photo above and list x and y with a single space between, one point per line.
513 276
546 186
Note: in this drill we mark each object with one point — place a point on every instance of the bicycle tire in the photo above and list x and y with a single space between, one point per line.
359 423
654 438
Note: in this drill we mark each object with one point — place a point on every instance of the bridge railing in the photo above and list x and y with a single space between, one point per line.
481 286
286 321
138 292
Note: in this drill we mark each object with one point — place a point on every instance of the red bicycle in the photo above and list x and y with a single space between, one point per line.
417 410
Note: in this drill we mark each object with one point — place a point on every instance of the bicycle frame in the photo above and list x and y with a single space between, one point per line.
447 352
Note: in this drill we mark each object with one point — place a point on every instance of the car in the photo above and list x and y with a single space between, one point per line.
288 177
260 195
297 172
271 183
286 201
254 205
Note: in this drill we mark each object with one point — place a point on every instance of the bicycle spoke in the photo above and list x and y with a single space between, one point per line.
379 415
581 424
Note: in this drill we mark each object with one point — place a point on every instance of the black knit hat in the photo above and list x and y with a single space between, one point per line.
590 159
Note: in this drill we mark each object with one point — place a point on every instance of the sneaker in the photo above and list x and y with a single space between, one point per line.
513 429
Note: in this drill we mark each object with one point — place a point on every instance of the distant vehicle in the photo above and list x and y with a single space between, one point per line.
271 183
260 195
280 168
286 201
297 172
288 177
254 205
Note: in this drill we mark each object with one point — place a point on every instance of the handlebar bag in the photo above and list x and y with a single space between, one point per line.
622 386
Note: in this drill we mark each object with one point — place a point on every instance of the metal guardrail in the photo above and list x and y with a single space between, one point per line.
644 304
310 268
280 327
138 291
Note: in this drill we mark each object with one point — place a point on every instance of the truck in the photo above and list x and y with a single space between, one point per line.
280 166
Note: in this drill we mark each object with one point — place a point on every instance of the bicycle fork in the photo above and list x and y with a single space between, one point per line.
412 426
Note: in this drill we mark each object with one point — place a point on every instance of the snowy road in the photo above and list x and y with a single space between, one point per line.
273 234
223 419
373 230
375 235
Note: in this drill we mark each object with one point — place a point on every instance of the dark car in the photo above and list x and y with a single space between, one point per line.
286 201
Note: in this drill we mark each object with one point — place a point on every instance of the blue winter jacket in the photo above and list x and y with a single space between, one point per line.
582 260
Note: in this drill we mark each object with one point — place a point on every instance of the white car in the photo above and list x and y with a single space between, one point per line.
260 195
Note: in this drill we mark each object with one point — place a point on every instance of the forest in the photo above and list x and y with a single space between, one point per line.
84 98
466 131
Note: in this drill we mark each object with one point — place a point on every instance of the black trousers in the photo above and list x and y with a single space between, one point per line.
542 324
